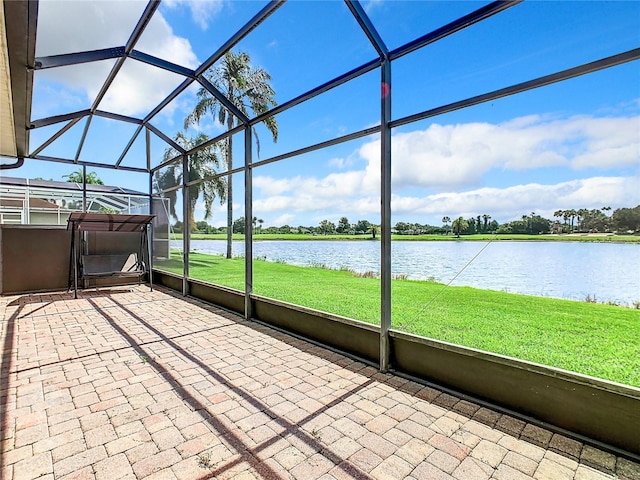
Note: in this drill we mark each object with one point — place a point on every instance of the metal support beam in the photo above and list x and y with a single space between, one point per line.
174 188
84 188
57 135
135 36
45 122
453 27
79 57
240 34
177 91
385 177
165 138
186 228
222 99
105 86
318 146
74 259
248 224
117 116
257 19
344 78
149 232
367 26
385 210
212 141
591 67
150 229
163 64
129 145
195 149
145 18
147 138
83 138
88 164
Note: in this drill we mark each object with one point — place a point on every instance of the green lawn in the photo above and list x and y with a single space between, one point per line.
593 339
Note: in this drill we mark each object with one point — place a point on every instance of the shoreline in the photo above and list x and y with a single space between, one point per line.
574 237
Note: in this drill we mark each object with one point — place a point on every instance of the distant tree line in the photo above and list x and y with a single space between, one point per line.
586 220
622 220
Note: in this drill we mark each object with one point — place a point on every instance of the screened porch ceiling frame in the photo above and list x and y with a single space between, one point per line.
22 81
21 34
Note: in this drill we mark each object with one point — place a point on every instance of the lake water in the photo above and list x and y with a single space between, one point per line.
573 270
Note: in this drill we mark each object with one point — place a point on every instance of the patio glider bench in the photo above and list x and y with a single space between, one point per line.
91 231
112 266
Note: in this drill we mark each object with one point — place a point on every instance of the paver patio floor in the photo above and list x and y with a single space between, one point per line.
132 384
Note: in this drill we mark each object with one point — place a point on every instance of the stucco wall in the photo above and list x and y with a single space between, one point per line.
36 258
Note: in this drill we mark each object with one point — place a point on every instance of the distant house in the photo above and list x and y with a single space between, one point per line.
25 201
38 211
42 202
556 227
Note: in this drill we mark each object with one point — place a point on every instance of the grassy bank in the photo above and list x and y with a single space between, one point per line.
479 237
593 339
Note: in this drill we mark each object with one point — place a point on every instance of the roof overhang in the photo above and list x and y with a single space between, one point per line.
18 21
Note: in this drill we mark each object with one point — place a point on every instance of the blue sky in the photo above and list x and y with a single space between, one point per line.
570 145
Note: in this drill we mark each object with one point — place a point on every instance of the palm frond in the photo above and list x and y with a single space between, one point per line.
248 89
207 103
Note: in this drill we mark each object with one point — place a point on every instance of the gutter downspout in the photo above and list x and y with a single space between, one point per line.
18 164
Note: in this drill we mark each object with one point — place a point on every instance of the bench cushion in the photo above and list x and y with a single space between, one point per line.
111 265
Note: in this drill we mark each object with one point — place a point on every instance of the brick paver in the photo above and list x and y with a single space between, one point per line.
125 383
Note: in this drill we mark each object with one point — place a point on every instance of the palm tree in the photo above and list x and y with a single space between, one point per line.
565 215
76 177
201 165
445 221
486 217
249 89
572 214
533 214
459 225
560 213
257 220
581 214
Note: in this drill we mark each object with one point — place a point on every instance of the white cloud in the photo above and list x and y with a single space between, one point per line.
503 204
202 11
371 5
609 142
302 204
138 88
458 156
512 202
334 185
66 27
271 186
339 162
438 171
160 41
286 219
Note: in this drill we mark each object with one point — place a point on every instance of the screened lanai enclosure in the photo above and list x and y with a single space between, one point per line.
255 131
39 202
